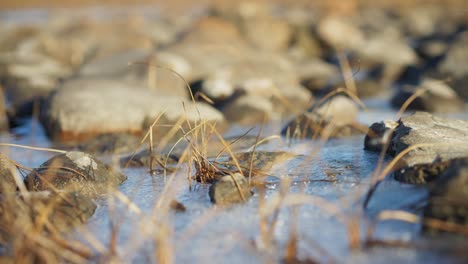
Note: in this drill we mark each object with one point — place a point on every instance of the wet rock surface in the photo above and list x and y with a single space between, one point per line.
449 195
74 172
447 136
379 135
230 189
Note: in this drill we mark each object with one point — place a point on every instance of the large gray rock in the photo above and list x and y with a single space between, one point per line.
74 172
87 107
230 189
446 139
439 97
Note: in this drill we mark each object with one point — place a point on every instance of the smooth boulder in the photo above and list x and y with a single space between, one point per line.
88 107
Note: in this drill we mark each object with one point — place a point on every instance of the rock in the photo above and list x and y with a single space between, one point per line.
422 173
63 211
369 88
116 143
422 21
304 44
7 178
388 50
438 97
315 74
211 44
447 138
379 135
230 189
69 209
269 76
262 73
74 172
248 110
12 36
143 68
455 66
449 135
338 114
219 85
448 198
166 73
256 163
177 206
433 49
30 78
340 34
268 33
116 65
87 107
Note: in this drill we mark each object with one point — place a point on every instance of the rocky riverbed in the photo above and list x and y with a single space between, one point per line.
247 132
